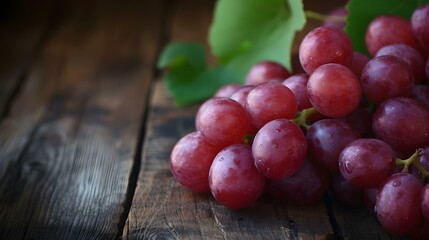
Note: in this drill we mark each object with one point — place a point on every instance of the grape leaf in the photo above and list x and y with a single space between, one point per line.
242 33
362 12
245 32
189 79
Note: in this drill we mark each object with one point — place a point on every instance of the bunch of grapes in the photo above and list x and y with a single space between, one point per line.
353 124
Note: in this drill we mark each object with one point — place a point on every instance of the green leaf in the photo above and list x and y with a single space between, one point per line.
362 12
177 55
245 32
189 79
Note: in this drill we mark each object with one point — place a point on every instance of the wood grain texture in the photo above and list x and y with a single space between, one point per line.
68 144
22 36
163 209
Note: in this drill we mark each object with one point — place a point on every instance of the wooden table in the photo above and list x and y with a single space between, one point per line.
87 126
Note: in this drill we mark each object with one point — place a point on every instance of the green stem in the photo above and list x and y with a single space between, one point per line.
322 17
248 139
301 117
415 161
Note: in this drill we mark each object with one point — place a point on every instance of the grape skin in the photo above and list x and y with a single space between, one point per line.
360 120
241 94
223 121
266 71
298 85
326 139
403 123
305 187
420 26
190 161
385 77
234 180
359 61
409 55
279 149
325 45
270 101
396 204
334 90
366 162
425 202
427 70
388 30
227 90
420 93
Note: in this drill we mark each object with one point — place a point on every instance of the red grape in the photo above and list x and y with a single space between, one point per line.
409 55
386 77
234 180
279 149
298 85
266 71
227 90
420 93
397 202
420 26
360 120
359 61
241 94
366 162
403 123
269 101
334 90
387 30
241 97
305 187
223 121
191 159
325 45
326 139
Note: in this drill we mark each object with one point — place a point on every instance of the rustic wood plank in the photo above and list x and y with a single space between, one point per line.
22 36
68 144
163 209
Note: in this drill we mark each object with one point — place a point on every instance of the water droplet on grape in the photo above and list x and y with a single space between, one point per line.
396 183
348 168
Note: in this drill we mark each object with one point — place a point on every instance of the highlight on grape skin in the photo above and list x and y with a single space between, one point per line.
234 180
279 149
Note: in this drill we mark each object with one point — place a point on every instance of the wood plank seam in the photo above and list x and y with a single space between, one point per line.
163 37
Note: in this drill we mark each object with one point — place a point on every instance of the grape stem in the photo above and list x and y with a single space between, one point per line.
301 117
414 160
322 17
